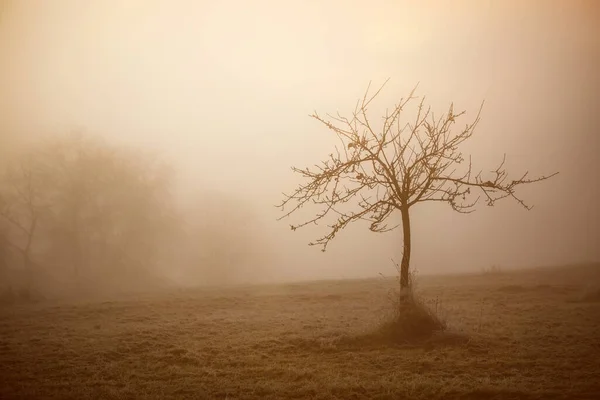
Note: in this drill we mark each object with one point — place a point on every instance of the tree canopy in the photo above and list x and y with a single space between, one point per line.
374 172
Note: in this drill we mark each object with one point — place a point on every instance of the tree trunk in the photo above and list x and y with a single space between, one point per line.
404 266
27 254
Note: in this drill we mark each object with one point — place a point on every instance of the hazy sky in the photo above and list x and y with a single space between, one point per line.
224 88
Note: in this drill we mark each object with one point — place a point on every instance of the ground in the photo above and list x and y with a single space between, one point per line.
512 335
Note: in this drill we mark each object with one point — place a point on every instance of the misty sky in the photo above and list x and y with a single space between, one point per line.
224 89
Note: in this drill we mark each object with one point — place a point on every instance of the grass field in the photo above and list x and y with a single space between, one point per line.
512 335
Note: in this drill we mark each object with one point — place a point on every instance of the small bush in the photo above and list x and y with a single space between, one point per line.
411 320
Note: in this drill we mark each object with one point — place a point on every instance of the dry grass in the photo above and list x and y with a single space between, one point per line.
591 294
311 340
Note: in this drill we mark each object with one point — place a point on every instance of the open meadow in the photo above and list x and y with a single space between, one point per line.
532 334
190 191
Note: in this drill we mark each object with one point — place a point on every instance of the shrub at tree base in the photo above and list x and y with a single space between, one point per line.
410 320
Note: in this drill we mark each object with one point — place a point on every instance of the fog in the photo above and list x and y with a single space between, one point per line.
222 91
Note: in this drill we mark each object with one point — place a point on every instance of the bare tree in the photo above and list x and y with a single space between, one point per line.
111 206
375 172
95 213
20 207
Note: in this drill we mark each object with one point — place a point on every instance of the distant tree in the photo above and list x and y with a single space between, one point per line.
96 211
377 172
111 205
20 207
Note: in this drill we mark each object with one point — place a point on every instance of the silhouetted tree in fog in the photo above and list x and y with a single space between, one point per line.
111 205
88 214
20 207
378 171
88 210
